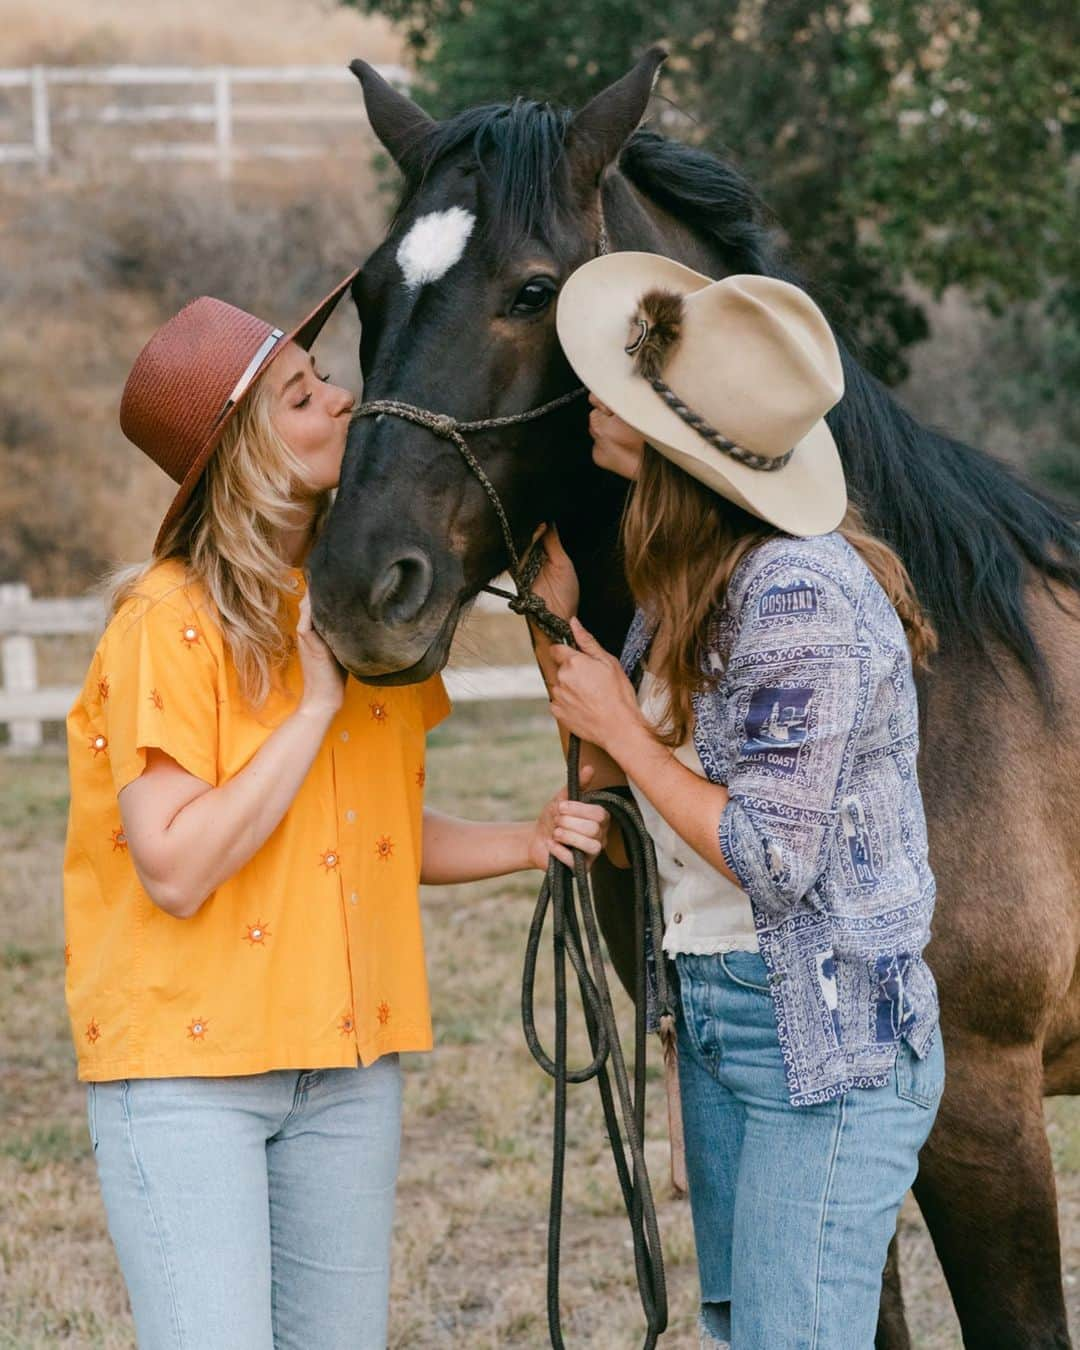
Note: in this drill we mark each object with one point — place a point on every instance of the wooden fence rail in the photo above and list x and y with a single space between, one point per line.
221 110
25 706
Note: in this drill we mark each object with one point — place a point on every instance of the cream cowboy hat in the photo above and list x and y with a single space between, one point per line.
730 379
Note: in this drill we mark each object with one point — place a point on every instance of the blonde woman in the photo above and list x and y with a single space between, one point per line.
764 715
246 836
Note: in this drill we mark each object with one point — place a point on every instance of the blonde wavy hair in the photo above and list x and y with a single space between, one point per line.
666 509
228 535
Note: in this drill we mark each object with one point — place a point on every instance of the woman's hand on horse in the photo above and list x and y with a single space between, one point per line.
324 679
590 694
564 825
557 583
617 447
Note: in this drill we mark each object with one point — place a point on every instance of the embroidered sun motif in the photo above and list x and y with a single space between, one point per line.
99 744
93 1031
103 688
379 712
382 1012
119 841
421 776
346 1026
156 701
384 847
257 933
330 859
197 1029
189 635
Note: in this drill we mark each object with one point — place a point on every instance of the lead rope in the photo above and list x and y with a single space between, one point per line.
567 893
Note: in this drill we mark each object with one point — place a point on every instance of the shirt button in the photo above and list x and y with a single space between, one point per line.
678 862
350 816
354 898
344 736
677 918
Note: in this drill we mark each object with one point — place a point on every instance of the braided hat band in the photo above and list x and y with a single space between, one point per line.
655 332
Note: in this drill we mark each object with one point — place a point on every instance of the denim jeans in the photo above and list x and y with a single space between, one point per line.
793 1206
253 1213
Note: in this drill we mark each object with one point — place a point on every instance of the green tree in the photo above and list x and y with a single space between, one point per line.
891 138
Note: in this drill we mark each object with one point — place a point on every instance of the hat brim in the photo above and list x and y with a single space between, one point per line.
806 497
304 335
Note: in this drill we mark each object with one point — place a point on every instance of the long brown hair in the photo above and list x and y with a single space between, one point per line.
682 542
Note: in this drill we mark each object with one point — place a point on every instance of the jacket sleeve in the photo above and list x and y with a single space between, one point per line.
796 690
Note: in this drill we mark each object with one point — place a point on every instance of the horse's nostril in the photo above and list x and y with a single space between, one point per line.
399 594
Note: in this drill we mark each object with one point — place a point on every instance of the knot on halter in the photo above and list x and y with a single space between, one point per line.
532 607
442 424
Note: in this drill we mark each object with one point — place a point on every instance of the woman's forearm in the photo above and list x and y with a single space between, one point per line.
470 850
214 835
690 804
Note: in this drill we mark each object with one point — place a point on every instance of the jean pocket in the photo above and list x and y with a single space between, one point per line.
920 1080
91 1114
729 959
696 1020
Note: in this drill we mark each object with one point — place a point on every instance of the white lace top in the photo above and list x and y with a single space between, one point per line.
704 912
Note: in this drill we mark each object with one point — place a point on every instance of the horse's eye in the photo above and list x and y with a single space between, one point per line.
534 296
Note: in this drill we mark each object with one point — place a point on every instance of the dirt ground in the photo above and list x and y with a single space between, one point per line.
469 1248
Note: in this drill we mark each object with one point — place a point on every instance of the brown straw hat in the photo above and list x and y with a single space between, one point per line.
728 379
193 374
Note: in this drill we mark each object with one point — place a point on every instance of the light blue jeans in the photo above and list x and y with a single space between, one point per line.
253 1213
793 1206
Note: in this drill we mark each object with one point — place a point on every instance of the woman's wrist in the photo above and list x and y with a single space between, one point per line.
316 714
634 747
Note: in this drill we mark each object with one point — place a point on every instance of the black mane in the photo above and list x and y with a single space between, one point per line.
968 528
707 194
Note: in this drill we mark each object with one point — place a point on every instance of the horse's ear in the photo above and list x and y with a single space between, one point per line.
601 129
400 124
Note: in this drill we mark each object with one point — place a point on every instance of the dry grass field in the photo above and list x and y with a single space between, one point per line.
469 1248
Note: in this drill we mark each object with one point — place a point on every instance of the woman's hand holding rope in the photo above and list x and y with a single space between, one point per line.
564 825
590 694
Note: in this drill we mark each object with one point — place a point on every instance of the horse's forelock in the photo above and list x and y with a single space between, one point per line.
516 148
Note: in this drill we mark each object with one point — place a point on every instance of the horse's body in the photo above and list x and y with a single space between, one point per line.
412 538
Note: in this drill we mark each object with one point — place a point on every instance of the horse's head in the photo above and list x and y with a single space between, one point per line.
457 308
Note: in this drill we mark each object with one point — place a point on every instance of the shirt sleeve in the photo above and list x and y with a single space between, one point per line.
796 699
434 702
162 672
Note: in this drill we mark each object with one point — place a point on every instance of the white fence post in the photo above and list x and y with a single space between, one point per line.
39 105
19 669
223 121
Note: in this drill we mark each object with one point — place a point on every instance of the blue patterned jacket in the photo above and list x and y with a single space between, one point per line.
813 727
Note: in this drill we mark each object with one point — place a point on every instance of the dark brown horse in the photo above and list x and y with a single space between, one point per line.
500 205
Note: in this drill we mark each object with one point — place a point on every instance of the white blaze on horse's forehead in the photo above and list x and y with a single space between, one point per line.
434 244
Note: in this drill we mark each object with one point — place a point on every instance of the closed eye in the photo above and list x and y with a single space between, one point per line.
307 397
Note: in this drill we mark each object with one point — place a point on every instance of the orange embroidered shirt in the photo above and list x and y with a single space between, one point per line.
312 954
